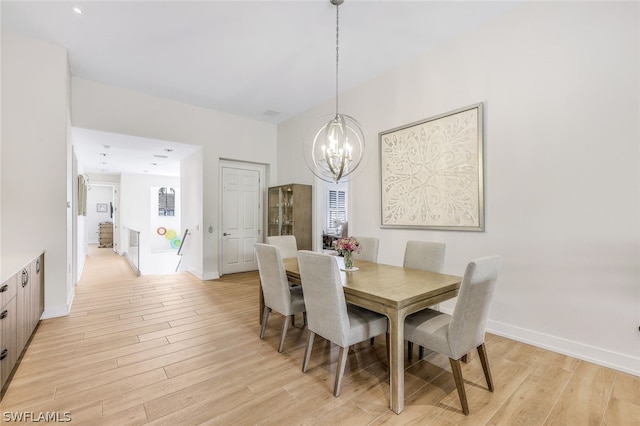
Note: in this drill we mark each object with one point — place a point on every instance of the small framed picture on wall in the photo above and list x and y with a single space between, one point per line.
102 207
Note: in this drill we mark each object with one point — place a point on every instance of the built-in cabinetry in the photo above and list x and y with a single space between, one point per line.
8 328
290 213
21 306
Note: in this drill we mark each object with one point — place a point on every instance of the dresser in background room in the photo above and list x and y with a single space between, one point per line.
105 234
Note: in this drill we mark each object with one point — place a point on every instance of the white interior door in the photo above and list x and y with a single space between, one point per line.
241 218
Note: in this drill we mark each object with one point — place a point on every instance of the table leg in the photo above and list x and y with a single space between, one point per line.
396 361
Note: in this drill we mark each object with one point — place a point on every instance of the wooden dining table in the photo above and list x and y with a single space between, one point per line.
395 292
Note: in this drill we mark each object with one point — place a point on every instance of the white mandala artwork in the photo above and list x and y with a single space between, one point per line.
431 173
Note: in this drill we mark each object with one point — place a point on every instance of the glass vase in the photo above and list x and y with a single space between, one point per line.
348 260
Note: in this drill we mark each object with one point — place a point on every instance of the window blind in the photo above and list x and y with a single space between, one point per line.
337 209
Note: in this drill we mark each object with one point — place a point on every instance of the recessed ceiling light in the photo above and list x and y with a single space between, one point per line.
271 113
106 146
77 10
160 156
102 154
154 164
168 150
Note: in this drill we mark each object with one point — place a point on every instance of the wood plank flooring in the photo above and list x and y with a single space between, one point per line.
174 350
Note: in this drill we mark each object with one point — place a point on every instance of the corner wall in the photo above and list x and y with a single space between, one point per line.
560 83
36 161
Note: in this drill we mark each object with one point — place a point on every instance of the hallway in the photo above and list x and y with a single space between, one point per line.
103 264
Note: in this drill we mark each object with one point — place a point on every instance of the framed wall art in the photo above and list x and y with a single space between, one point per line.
102 207
432 173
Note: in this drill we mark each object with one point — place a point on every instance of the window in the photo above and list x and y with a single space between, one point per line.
336 209
166 202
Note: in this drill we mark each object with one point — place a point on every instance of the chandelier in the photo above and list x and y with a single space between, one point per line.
335 145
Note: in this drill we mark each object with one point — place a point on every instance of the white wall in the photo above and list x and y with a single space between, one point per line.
1 139
192 213
99 107
560 82
36 161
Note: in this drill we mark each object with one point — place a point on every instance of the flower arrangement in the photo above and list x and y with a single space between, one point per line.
345 247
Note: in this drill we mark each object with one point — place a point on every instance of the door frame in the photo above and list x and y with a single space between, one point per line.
245 165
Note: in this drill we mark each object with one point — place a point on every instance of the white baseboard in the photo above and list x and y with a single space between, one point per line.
210 276
613 360
201 275
195 273
60 310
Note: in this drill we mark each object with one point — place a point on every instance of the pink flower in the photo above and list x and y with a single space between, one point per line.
347 245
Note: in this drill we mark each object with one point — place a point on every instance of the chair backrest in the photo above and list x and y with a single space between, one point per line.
286 243
369 247
323 296
469 319
273 278
424 255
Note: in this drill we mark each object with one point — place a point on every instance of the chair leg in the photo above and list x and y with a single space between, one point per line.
372 340
457 376
293 320
342 363
409 350
482 353
285 327
465 358
420 352
265 316
307 350
304 318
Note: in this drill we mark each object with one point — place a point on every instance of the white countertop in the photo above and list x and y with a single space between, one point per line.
13 262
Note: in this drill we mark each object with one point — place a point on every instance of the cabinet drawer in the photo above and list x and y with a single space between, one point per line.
8 290
8 341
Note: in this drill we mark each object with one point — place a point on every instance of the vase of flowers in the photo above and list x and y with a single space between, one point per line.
345 248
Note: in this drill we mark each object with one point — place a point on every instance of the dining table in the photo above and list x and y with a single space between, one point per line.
393 291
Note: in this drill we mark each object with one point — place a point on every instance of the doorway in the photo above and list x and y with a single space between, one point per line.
241 220
101 221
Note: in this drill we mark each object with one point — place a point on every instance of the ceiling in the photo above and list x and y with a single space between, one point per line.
111 153
264 60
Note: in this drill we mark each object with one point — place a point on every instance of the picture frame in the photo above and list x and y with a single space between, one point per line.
431 172
102 207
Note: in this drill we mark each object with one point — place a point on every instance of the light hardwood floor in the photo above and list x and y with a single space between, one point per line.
175 350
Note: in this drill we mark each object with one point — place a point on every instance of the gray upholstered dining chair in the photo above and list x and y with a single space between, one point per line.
286 243
424 256
328 314
369 246
279 296
457 334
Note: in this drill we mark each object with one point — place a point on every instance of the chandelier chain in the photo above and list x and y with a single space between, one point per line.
335 149
337 51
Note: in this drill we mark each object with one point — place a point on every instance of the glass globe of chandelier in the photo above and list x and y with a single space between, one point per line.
335 145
